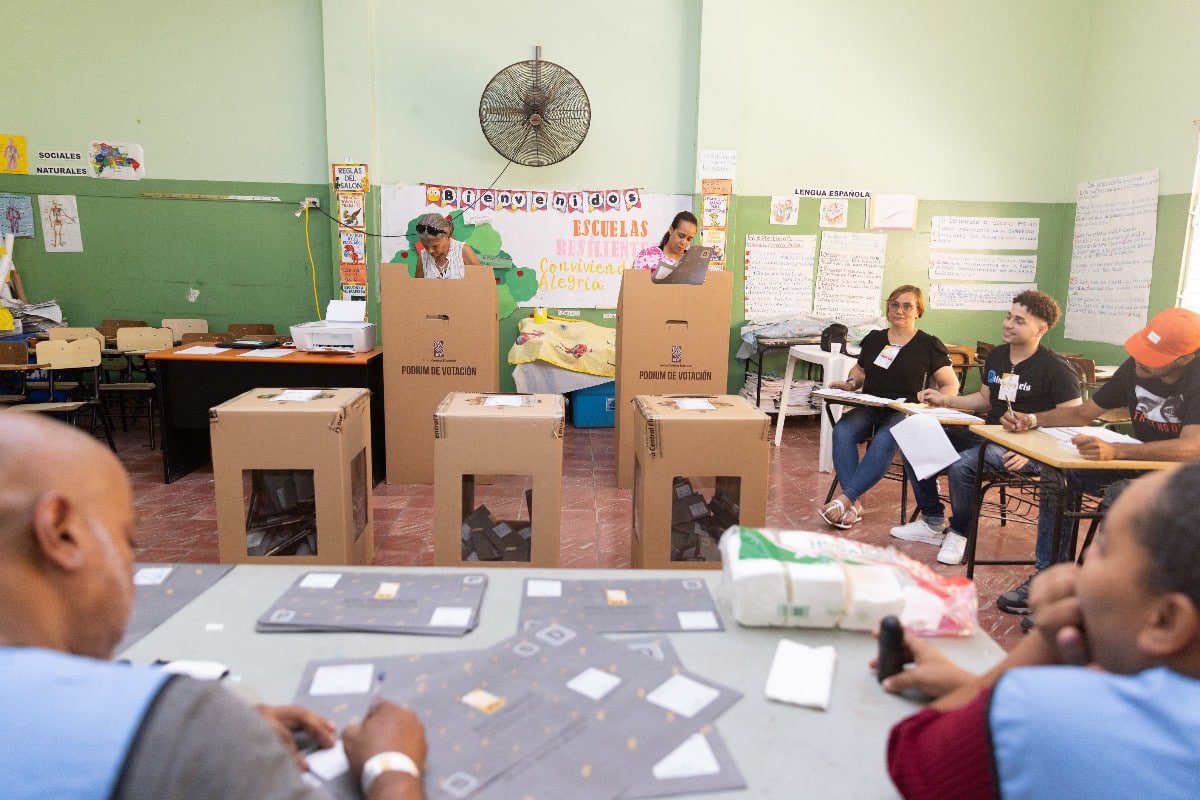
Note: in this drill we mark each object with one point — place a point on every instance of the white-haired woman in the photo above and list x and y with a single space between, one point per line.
440 254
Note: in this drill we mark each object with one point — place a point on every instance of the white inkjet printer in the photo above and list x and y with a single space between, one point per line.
342 331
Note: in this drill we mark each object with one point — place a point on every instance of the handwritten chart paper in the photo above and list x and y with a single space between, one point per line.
976 296
984 233
779 274
1113 257
717 164
850 275
982 267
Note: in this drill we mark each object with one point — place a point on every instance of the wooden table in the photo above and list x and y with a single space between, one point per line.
1056 459
190 384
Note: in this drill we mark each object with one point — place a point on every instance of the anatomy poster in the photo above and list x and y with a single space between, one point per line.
60 223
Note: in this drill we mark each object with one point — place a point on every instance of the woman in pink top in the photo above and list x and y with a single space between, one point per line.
674 244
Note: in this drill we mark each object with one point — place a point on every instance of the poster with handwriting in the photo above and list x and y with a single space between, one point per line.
975 296
982 267
984 233
850 275
779 273
1112 259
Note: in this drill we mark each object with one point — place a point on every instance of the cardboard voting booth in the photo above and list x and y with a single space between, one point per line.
439 336
700 465
292 469
671 339
519 440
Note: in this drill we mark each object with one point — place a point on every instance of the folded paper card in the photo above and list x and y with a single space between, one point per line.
801 675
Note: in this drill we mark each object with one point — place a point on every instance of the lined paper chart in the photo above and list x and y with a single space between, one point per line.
984 233
850 275
982 267
779 275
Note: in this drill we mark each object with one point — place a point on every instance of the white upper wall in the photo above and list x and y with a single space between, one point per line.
947 99
1141 93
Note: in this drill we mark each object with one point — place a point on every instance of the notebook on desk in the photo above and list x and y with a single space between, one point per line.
692 268
249 344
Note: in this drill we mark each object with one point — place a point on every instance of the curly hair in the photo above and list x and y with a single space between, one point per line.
1041 305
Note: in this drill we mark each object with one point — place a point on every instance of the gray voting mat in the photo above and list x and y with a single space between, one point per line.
378 602
554 712
620 605
162 590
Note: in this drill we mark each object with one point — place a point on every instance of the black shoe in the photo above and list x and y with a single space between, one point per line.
1026 624
1015 601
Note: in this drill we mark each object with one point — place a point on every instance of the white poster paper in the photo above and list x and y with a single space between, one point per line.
717 164
850 275
1112 259
982 267
975 296
779 275
984 233
60 223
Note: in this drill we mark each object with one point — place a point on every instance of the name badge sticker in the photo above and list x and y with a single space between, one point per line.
886 356
1008 386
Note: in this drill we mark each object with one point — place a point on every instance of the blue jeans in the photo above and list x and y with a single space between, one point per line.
856 426
1089 481
962 478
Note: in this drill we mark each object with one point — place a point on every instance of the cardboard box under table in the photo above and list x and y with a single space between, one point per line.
292 472
671 339
700 465
518 440
439 336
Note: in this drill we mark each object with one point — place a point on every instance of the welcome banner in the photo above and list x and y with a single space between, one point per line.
576 258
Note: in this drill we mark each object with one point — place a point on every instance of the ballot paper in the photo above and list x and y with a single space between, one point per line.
859 398
1064 435
801 675
924 444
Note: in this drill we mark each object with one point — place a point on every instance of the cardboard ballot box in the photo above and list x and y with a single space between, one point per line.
292 469
439 336
517 438
700 465
671 339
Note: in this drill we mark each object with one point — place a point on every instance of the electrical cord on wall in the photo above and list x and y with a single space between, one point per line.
311 261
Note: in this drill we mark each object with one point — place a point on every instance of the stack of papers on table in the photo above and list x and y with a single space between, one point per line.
374 602
799 396
1065 435
858 398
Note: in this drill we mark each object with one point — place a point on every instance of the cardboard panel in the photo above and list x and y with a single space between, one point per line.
729 443
474 438
671 339
438 337
324 435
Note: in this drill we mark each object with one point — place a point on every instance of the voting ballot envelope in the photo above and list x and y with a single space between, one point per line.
671 339
292 473
439 336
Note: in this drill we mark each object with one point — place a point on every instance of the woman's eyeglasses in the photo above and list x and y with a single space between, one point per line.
892 304
430 230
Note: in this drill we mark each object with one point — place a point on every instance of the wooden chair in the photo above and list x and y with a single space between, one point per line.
14 372
1085 370
79 361
181 326
243 329
109 327
67 334
135 343
212 336
962 360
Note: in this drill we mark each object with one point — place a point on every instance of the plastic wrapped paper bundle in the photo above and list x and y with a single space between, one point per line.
783 578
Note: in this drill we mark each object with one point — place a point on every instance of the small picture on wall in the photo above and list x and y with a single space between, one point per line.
834 212
785 210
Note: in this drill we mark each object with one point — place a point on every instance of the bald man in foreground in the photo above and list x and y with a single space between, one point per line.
78 725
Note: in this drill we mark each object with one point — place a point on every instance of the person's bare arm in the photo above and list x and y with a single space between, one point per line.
1072 413
469 256
286 720
388 728
853 382
1185 448
977 402
947 382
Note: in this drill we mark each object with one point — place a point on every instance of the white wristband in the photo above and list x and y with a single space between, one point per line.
390 761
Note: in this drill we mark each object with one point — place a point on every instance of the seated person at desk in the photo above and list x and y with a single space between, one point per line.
893 363
1044 722
440 254
1160 386
1021 373
674 244
80 726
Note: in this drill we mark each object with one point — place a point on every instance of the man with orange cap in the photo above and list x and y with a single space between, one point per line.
1160 386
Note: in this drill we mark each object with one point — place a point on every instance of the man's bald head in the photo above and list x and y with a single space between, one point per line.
66 527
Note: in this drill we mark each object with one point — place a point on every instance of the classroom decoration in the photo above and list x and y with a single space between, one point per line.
16 215
117 160
850 275
591 201
779 275
835 212
61 162
60 223
1112 260
981 233
893 212
571 257
785 210
350 185
15 160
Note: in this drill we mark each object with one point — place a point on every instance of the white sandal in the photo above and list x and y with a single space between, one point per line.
839 522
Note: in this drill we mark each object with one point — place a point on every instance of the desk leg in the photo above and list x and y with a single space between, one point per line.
977 504
783 397
1063 499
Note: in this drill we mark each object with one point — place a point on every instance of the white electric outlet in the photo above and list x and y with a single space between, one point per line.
311 202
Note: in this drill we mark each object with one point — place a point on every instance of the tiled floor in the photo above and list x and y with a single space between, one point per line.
177 522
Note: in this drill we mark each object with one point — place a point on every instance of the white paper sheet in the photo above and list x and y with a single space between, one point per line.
801 675
924 444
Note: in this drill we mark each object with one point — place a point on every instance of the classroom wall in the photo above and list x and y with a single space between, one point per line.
977 107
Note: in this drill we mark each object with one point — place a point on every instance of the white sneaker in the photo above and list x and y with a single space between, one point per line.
953 547
919 531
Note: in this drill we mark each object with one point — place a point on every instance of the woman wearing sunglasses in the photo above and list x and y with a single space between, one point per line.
440 255
897 362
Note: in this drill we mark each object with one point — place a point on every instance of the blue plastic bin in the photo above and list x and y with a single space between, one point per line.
594 407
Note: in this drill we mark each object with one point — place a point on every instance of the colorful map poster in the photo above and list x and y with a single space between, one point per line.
119 160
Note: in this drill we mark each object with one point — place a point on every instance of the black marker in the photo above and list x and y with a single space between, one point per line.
891 648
